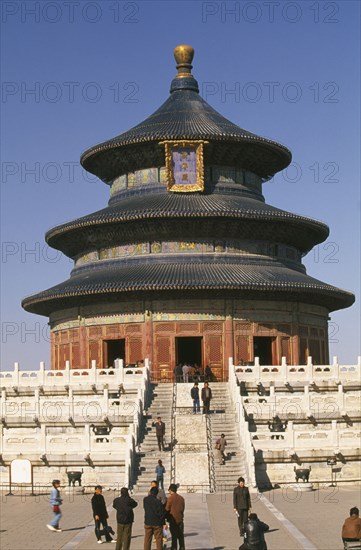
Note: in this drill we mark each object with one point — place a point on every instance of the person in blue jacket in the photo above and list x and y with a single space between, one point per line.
55 502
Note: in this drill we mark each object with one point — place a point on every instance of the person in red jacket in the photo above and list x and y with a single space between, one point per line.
351 529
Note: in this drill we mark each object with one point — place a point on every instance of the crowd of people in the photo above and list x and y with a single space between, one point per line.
187 372
163 514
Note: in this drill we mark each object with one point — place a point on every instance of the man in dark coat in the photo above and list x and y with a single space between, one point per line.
125 517
195 397
159 432
100 515
206 396
153 520
241 503
254 530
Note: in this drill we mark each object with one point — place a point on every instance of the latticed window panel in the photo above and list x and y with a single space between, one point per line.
64 355
303 351
75 356
112 331
163 350
303 331
133 329
242 349
315 351
212 327
135 350
188 327
64 337
215 349
286 348
243 328
94 353
94 332
73 334
164 327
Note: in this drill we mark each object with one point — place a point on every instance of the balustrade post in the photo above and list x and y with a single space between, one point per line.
284 369
306 391
71 403
335 434
340 396
41 378
106 399
16 374
291 437
257 368
37 402
43 442
67 372
87 438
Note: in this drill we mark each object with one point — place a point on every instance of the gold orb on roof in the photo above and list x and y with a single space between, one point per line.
183 55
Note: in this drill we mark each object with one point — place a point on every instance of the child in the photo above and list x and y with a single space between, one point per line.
160 471
55 502
101 515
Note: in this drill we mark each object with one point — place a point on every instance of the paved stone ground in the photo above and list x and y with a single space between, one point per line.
297 521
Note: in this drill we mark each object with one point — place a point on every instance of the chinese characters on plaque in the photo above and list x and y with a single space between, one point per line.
184 166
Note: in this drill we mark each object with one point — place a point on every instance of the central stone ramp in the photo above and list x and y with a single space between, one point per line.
224 418
191 452
148 455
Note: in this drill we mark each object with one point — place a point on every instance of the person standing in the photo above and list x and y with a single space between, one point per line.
195 397
100 515
160 471
351 529
161 494
254 530
221 445
185 370
55 502
207 374
159 432
153 520
206 396
241 503
125 517
175 514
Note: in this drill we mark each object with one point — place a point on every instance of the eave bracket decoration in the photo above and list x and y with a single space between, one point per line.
184 165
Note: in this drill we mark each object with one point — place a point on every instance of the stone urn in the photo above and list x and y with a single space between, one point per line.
74 476
302 473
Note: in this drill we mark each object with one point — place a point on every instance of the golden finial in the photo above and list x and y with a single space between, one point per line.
183 55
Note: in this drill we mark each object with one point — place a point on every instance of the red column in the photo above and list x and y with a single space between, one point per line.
228 344
83 351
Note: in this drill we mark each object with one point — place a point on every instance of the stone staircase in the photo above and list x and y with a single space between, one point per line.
148 455
224 419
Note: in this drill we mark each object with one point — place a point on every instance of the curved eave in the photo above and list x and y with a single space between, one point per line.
262 157
185 116
72 237
245 281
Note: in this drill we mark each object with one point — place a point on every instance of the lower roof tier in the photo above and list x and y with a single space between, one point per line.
162 215
265 282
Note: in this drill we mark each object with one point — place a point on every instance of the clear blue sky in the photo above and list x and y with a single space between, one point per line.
75 74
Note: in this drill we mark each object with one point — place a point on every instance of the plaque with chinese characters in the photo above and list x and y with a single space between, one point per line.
184 166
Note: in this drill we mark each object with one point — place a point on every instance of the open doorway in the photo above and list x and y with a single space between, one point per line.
262 348
188 349
112 350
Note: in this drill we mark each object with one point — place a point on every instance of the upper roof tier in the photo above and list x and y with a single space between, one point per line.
185 116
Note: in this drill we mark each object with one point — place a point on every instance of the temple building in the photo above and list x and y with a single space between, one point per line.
187 263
